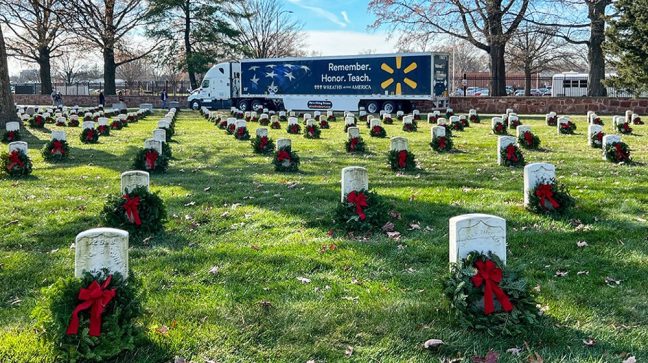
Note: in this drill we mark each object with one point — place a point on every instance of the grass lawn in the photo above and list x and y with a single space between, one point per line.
382 297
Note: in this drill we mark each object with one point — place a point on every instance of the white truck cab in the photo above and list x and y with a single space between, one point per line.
219 86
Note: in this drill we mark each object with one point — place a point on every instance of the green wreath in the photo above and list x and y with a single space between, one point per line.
499 129
411 127
394 160
550 197
293 129
37 121
73 123
116 125
449 114
375 213
222 124
388 121
312 132
167 150
516 160
441 144
378 131
286 160
56 150
567 128
242 133
104 130
264 121
170 131
324 124
89 136
11 136
475 118
346 127
120 329
467 300
161 163
624 128
16 163
150 209
617 152
597 140
552 121
355 145
262 146
514 124
457 126
464 122
528 140
275 125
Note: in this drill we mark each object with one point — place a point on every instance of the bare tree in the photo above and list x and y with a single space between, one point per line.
580 22
7 108
534 50
487 24
105 24
269 31
68 67
36 33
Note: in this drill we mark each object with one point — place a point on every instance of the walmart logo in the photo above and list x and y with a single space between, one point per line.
388 82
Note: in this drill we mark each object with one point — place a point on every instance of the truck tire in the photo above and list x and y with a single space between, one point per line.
372 106
243 105
389 107
256 105
195 105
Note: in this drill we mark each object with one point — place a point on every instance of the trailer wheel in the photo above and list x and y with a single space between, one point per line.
373 107
243 105
195 105
256 105
389 107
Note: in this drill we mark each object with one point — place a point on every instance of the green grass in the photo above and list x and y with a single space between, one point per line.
380 296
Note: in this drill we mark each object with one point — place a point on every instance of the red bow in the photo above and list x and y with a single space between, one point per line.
442 142
528 138
294 128
323 124
499 127
283 155
599 136
545 193
11 135
90 134
376 129
360 201
95 297
102 128
620 154
57 147
490 276
231 127
14 159
402 159
510 153
354 143
130 207
151 158
263 142
311 130
241 131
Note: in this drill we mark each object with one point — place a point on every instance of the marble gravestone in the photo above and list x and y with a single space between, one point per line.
58 135
99 248
477 232
354 178
561 121
159 135
310 122
502 143
353 132
534 174
349 120
592 130
12 126
496 120
134 179
398 144
374 122
607 140
520 130
283 143
88 125
261 132
153 144
18 145
438 131
292 120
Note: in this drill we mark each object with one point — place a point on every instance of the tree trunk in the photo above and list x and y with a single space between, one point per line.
527 81
188 50
45 70
498 70
595 54
7 107
109 72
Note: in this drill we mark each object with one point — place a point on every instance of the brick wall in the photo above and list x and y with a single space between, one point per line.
543 105
88 101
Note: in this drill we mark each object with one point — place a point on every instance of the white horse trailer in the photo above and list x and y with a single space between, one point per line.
569 84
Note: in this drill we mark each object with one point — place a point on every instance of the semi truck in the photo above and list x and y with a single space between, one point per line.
388 82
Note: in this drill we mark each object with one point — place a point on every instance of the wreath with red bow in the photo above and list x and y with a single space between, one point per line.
514 124
254 118
242 133
597 140
222 124
448 114
89 136
331 118
378 131
552 121
294 129
116 125
275 125
441 144
597 121
637 121
139 212
464 122
499 129
388 120
11 136
89 118
56 150
618 152
624 128
73 123
355 145
262 145
283 118
312 132
410 127
286 160
264 121
400 117
433 120
362 118
104 130
416 116
457 126
230 129
512 156
486 295
528 140
550 197
402 160
170 131
37 121
324 124
475 118
60 123
16 163
93 318
150 160
567 128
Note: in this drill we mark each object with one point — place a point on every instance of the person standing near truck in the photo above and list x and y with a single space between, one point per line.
102 98
164 97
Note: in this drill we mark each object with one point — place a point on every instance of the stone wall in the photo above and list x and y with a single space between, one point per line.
543 105
88 101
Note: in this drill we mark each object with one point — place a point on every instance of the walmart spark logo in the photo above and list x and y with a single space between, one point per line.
399 88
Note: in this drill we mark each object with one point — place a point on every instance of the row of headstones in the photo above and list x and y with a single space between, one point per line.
160 133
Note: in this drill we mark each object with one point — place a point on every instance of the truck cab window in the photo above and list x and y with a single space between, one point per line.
205 84
221 70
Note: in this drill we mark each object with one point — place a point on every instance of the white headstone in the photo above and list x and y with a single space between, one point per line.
502 143
316 114
400 113
472 112
292 120
593 129
349 120
282 113
354 178
477 232
561 121
310 122
13 126
628 116
88 125
409 119
416 112
386 115
100 248
362 113
438 131
261 132
274 118
509 111
329 113
103 121
398 144
134 179
159 135
374 122
322 118
454 119
307 116
264 116
18 145
607 140
283 143
231 121
617 120
534 174
520 130
146 106
441 121
496 120
163 124
353 132
58 135
241 123
153 144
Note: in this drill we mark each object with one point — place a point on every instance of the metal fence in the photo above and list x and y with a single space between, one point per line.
138 88
572 86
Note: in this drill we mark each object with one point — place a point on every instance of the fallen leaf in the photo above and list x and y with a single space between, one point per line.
304 280
349 351
214 270
164 330
536 358
582 273
394 235
611 281
414 226
432 343
207 189
329 233
561 273
491 357
630 359
589 342
514 351
394 214
388 227
581 244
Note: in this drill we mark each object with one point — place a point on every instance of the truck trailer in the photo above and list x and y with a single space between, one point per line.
388 82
